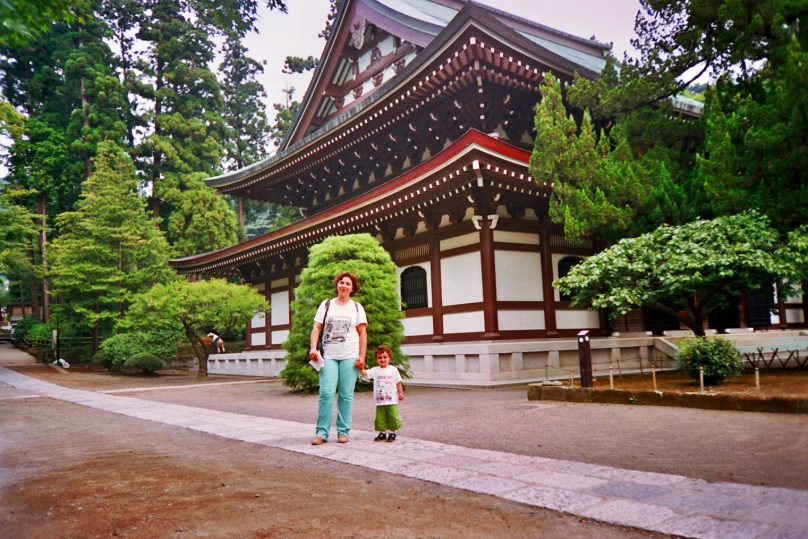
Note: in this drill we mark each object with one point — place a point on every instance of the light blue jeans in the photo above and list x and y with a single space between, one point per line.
336 376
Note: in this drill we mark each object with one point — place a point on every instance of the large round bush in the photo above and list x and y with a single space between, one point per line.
716 354
122 346
148 363
362 255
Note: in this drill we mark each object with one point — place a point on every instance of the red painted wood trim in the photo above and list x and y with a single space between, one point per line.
437 289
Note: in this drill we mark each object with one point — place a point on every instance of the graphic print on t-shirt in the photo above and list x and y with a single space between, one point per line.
336 329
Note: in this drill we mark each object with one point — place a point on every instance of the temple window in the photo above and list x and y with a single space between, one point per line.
413 287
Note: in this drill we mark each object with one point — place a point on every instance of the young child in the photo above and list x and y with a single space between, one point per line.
387 392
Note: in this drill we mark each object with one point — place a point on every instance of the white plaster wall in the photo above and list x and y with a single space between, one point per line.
524 238
277 283
460 241
577 319
258 339
428 267
463 322
279 313
518 276
515 320
279 336
794 316
461 279
258 321
418 325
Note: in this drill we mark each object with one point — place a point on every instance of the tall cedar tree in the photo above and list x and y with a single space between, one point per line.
108 250
185 145
362 255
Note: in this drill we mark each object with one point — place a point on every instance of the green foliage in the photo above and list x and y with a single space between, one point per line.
148 363
600 188
362 255
192 309
102 358
122 346
21 20
109 248
698 267
716 355
31 330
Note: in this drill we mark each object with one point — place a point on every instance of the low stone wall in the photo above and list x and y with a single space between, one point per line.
490 363
707 400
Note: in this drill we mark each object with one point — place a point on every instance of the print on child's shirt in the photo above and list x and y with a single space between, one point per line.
336 329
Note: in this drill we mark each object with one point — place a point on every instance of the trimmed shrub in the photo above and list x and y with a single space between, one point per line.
716 354
122 346
102 358
148 363
362 255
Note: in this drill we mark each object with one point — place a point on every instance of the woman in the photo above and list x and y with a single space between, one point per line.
344 343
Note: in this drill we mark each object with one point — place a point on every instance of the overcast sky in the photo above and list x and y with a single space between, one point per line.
295 33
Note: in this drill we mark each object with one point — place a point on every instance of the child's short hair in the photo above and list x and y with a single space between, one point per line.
383 348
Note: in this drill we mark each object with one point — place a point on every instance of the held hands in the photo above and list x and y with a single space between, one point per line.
359 364
401 395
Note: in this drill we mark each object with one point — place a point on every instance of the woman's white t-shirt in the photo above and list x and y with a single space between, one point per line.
340 338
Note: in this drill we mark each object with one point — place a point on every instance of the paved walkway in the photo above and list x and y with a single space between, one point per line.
659 502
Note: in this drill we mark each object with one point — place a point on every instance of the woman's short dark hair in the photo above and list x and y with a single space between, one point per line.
353 279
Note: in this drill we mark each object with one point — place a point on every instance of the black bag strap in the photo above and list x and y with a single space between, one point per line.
322 331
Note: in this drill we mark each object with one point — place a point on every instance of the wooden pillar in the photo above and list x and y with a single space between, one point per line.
489 280
551 330
240 202
437 290
781 306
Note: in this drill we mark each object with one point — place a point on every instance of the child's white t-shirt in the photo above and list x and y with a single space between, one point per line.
340 338
385 379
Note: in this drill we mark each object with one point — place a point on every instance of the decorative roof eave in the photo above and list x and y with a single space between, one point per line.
372 204
471 15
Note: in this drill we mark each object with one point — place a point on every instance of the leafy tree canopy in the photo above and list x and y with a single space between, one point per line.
698 267
362 255
194 309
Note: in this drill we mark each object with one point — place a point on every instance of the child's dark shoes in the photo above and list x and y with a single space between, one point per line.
380 437
391 437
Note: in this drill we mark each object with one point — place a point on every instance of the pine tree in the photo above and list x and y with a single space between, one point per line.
108 249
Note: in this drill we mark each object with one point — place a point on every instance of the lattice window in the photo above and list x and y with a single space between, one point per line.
413 287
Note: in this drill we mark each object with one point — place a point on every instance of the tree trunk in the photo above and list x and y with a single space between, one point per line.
200 351
43 240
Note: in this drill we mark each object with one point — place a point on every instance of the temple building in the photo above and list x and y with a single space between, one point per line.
417 127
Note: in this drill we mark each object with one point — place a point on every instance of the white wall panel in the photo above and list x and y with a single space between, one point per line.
258 321
463 322
461 279
279 336
418 325
518 276
577 319
460 241
279 313
516 320
525 238
258 339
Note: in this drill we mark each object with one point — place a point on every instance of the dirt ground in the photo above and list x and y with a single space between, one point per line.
71 471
